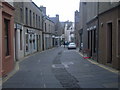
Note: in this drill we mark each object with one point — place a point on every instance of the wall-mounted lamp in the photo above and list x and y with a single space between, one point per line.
101 24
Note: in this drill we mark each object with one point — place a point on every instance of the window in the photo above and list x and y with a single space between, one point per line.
45 27
21 14
27 41
40 40
6 37
33 19
39 21
34 41
36 21
30 18
26 13
49 28
20 39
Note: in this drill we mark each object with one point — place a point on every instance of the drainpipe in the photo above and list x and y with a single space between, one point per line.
98 32
43 32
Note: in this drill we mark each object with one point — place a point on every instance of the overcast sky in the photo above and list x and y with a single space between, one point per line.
65 8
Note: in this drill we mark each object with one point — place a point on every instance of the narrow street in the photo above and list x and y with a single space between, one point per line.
60 68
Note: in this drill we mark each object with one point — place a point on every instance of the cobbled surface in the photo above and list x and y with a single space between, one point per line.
64 77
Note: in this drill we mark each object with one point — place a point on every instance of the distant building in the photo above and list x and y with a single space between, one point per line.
43 9
48 31
69 32
83 27
58 29
77 27
6 38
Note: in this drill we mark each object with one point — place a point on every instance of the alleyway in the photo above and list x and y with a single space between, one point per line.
59 67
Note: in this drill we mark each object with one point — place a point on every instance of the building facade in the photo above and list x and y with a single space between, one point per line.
32 28
58 29
83 26
101 31
48 30
69 32
109 31
49 33
77 27
6 38
92 29
19 31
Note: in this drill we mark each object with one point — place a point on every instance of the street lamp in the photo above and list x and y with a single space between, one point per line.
43 20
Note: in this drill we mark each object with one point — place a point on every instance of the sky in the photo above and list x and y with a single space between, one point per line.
65 8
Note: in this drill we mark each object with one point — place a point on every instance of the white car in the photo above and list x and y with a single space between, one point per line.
72 46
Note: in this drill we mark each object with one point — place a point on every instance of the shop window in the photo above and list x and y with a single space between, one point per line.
34 41
6 36
40 40
20 39
27 42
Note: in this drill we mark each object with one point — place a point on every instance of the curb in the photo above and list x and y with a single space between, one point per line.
102 66
16 68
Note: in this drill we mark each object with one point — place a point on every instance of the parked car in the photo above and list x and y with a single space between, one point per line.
72 46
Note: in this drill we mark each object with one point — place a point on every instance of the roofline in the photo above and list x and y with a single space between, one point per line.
37 6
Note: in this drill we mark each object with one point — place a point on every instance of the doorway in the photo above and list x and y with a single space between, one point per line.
109 43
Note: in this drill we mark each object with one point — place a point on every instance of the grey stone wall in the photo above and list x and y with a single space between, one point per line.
36 10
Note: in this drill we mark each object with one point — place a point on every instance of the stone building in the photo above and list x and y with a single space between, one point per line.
101 31
48 30
58 29
32 28
19 31
83 27
6 38
92 29
109 34
49 34
77 27
69 32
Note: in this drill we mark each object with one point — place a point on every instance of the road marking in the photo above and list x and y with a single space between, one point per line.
66 64
41 73
39 61
53 66
44 86
102 66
